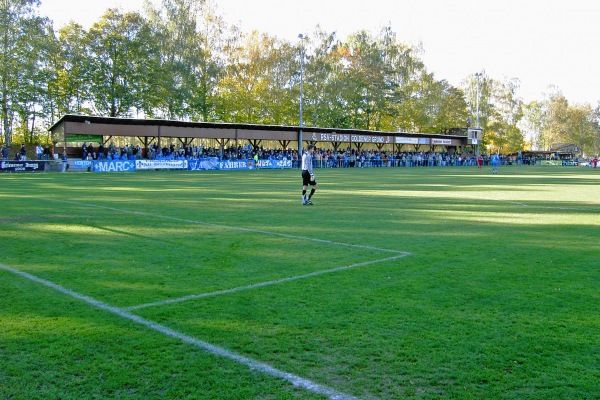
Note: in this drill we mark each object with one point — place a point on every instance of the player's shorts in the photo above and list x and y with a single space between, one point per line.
306 178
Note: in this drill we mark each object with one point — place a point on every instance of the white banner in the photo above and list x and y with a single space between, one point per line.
344 137
407 140
160 164
445 142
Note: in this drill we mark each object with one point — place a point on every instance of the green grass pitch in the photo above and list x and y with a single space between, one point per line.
399 283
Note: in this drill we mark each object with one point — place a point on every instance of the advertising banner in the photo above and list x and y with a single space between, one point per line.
274 164
551 162
204 164
445 142
141 165
22 166
81 165
84 138
114 166
407 140
236 164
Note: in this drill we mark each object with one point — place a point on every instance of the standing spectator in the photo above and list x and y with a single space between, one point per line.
495 161
84 152
595 161
308 176
39 151
101 152
47 153
90 151
4 153
23 153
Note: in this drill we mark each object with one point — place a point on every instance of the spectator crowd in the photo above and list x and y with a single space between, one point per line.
323 158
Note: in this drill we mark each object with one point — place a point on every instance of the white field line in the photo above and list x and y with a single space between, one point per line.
236 228
399 254
210 348
262 284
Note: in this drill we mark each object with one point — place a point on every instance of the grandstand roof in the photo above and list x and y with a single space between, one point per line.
70 125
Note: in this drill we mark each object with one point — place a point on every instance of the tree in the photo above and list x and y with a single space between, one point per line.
446 106
581 127
256 85
324 100
596 133
407 85
181 61
506 112
69 88
533 120
33 77
556 121
19 25
117 49
213 41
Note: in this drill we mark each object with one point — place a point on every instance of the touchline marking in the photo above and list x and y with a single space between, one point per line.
236 228
261 284
215 350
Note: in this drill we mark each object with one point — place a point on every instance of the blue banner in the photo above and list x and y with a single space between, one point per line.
273 164
114 166
236 164
204 164
213 163
81 163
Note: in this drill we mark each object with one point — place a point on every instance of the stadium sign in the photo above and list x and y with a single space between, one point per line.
371 139
344 137
333 137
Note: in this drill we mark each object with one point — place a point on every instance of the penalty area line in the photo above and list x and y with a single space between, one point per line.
236 228
295 380
262 284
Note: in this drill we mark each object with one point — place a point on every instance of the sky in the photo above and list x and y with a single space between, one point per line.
548 45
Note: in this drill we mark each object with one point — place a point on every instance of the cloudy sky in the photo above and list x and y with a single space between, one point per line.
549 43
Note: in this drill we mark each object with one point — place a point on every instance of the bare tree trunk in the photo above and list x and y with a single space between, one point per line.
5 123
31 132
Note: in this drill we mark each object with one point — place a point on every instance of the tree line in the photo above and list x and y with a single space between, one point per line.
180 60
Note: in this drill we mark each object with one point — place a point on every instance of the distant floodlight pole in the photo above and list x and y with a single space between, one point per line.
302 39
478 76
